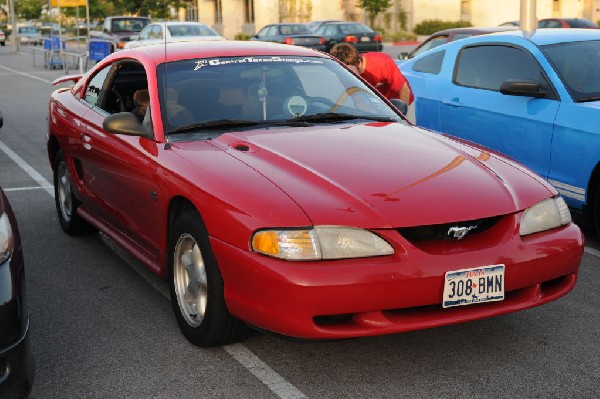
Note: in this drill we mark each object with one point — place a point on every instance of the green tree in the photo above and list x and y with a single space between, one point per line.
374 7
29 9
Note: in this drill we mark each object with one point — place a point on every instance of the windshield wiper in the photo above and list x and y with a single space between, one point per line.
339 117
224 124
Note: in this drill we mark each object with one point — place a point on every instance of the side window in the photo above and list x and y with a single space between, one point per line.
330 30
430 63
95 87
486 67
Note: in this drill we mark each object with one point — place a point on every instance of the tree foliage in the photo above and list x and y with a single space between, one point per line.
374 7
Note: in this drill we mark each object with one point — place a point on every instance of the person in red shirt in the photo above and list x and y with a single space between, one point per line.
379 69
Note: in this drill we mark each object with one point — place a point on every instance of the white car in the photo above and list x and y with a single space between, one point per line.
170 32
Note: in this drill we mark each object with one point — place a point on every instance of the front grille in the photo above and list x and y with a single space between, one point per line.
438 232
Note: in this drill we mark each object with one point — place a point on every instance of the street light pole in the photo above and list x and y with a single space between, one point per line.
14 40
528 20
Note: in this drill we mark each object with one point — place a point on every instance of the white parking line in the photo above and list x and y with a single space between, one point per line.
26 74
244 356
39 179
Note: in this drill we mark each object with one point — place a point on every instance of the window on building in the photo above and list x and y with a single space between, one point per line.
556 5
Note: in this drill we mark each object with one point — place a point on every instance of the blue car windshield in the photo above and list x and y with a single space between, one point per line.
577 65
218 93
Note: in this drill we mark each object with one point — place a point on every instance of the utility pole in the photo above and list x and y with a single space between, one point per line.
528 20
14 39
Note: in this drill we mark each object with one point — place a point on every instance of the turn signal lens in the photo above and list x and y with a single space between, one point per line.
289 40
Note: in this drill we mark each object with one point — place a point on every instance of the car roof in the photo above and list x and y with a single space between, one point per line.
543 37
226 48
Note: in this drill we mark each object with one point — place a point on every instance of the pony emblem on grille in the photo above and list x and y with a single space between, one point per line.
459 232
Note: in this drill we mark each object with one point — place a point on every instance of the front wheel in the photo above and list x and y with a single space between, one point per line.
196 286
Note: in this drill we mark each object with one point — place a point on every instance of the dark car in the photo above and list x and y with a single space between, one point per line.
296 34
450 35
359 35
580 23
16 356
314 25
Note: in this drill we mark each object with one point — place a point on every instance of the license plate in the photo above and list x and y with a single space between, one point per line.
468 286
365 39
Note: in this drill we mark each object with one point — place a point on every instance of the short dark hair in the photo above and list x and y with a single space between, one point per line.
346 53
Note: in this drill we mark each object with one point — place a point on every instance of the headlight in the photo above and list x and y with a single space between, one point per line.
545 215
6 238
321 242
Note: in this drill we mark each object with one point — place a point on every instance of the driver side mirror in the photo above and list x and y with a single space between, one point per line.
403 55
125 123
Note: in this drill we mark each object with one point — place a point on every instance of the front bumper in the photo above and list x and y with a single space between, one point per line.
17 368
392 294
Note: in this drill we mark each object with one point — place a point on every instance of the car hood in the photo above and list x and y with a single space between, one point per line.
382 175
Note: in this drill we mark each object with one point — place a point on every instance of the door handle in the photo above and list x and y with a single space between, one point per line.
454 102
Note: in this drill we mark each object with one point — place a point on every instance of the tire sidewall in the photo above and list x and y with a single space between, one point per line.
191 223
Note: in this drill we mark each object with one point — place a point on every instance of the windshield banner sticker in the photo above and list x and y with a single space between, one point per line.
253 60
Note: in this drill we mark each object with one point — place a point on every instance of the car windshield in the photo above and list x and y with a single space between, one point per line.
191 30
576 63
129 25
28 29
210 95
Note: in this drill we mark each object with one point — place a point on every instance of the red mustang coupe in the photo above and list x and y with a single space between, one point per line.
275 189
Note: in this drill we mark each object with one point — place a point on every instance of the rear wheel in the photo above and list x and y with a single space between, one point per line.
596 211
66 203
196 286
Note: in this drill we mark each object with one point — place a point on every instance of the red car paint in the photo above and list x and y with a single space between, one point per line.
382 177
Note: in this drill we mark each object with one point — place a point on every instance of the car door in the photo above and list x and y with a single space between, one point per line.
472 106
118 171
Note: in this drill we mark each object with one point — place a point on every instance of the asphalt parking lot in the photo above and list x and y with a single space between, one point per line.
103 327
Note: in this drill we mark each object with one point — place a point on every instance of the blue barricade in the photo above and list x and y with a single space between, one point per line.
98 50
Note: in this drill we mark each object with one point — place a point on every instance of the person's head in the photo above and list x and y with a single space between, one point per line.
348 54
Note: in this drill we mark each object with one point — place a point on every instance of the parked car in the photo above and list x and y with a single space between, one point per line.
2 38
534 97
450 35
17 369
359 35
296 34
511 23
567 23
170 32
241 186
119 29
29 35
314 25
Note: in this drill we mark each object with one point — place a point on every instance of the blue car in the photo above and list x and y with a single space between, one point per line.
534 96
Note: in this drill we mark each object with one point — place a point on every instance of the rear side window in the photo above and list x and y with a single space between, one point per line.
486 67
431 63
94 89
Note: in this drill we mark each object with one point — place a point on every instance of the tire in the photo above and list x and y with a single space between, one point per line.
66 203
596 212
196 286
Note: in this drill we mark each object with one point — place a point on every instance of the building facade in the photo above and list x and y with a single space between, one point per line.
232 17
